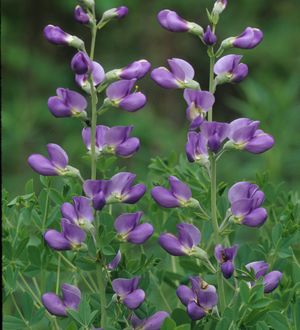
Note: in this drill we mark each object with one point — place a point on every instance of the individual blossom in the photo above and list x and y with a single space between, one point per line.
180 194
215 133
119 188
153 322
81 63
180 76
229 69
58 306
81 15
249 38
67 103
209 37
196 148
119 12
199 300
115 140
115 262
135 70
71 237
79 213
171 21
225 257
97 75
246 200
57 36
185 243
270 280
128 293
245 135
119 95
130 230
199 103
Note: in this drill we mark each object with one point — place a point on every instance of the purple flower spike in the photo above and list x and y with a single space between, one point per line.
57 36
135 70
97 73
79 213
225 257
229 69
115 262
71 237
249 38
58 306
55 165
81 16
199 300
196 148
244 134
180 195
119 95
153 322
81 63
270 280
115 140
188 238
171 21
128 293
180 76
245 199
199 103
67 103
209 37
215 133
130 230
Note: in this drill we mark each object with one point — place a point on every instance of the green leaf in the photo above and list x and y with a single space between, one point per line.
223 324
27 306
168 324
184 327
261 325
277 320
29 187
180 316
75 316
13 323
244 292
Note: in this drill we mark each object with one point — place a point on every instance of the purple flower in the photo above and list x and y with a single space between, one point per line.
81 63
199 103
119 95
249 38
134 70
180 195
244 134
97 74
67 103
229 69
115 140
58 306
153 322
115 262
55 165
199 300
81 15
79 213
180 76
245 199
196 148
215 133
57 36
128 293
188 238
225 257
209 37
270 280
118 189
130 230
119 12
171 21
71 237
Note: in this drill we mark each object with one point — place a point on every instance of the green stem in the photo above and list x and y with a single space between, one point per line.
160 292
211 80
19 311
58 274
101 283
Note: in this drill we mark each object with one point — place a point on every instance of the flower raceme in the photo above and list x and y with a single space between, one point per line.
58 306
128 293
199 300
67 103
118 189
153 322
245 199
130 230
180 76
225 257
115 140
119 95
270 280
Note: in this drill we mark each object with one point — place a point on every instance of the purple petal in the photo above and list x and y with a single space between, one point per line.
256 218
128 148
195 311
99 201
137 69
73 233
180 189
171 244
124 286
227 64
83 208
58 156
81 16
120 183
208 297
164 197
86 137
92 187
271 281
54 304
155 321
189 235
219 250
56 35
101 133
117 135
134 299
242 207
58 108
115 262
140 233
57 240
230 252
135 194
261 142
171 21
259 267
81 63
239 73
119 89
227 269
209 37
71 295
181 69
68 211
127 222
164 78
133 102
42 165
248 39
185 294
239 190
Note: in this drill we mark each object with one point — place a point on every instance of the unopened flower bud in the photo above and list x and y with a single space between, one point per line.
57 36
209 37
119 12
81 16
81 63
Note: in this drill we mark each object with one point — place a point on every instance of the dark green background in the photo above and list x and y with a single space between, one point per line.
32 69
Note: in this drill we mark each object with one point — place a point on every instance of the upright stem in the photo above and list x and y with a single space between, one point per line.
102 286
211 79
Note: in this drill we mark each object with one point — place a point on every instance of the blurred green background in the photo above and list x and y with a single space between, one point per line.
32 69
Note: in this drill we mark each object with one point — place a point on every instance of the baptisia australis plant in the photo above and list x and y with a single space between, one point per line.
207 141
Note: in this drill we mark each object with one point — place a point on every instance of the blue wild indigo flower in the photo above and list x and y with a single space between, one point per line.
81 16
57 36
81 63
153 322
225 257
